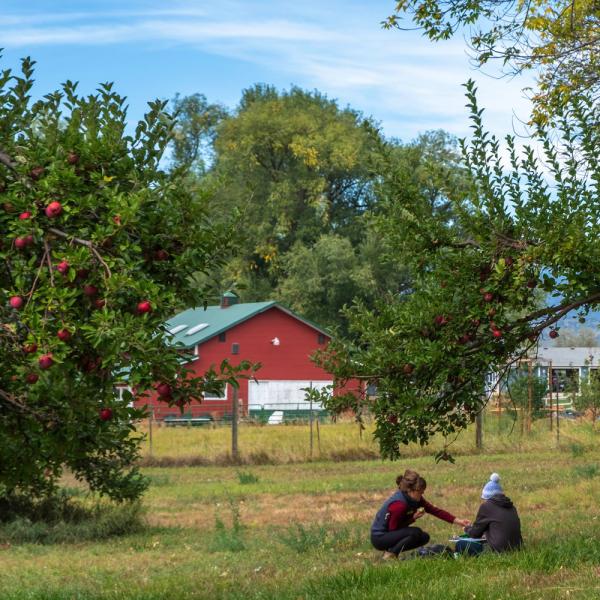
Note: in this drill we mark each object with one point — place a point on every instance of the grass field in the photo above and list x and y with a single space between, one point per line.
282 444
300 530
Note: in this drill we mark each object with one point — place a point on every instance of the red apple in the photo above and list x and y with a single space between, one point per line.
99 303
63 335
440 320
144 307
82 273
532 283
488 296
21 243
30 348
32 378
90 290
72 158
36 172
407 369
117 219
16 302
106 414
393 419
508 261
63 267
164 390
464 339
161 255
25 215
497 333
46 361
53 209
553 334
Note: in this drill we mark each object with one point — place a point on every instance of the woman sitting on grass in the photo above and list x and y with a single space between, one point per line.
391 530
497 520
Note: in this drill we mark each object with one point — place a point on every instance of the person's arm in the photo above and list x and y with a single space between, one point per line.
482 522
397 515
438 512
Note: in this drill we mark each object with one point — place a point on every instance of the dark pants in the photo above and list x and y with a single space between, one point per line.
400 540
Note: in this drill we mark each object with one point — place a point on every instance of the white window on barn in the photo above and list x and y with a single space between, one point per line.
217 396
282 395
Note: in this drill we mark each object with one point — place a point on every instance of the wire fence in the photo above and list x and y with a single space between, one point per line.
294 432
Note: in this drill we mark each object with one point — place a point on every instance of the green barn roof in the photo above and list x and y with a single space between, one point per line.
197 325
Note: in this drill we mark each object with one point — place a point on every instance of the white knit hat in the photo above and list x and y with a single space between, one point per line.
492 487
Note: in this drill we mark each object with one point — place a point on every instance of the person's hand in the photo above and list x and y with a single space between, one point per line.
418 514
462 522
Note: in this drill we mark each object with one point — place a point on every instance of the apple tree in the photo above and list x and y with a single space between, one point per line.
97 244
526 227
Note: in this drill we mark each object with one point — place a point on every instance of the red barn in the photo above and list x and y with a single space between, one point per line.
264 332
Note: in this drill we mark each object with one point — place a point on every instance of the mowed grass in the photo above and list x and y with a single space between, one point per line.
300 530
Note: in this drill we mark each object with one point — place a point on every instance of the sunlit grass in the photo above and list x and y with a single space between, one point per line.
300 530
280 444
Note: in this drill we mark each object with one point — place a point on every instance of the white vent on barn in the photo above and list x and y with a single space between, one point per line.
177 329
197 328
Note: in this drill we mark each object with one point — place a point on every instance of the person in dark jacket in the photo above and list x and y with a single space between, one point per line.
391 530
497 519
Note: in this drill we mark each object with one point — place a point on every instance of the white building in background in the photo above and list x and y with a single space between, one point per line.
565 367
569 365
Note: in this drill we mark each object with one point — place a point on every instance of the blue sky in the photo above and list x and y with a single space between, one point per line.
155 49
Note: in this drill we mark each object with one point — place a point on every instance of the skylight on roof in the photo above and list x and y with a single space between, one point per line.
177 329
197 328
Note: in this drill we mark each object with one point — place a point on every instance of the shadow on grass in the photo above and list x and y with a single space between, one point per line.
62 519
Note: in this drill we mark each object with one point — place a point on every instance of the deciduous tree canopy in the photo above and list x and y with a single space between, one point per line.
559 38
530 224
97 246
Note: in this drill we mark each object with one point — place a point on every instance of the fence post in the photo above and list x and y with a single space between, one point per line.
150 419
318 437
550 392
310 417
529 395
479 429
234 425
557 417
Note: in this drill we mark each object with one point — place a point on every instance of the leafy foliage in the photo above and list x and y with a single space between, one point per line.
588 398
474 308
557 37
581 337
519 389
97 246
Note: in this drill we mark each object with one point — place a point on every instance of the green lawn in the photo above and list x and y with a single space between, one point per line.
301 531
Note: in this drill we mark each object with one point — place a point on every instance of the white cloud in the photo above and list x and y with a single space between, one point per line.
399 77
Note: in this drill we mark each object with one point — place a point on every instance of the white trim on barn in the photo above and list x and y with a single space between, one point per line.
282 394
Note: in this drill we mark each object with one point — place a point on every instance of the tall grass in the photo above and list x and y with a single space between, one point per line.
283 444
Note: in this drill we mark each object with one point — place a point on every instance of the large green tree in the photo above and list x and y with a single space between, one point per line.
97 244
560 39
527 223
296 166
